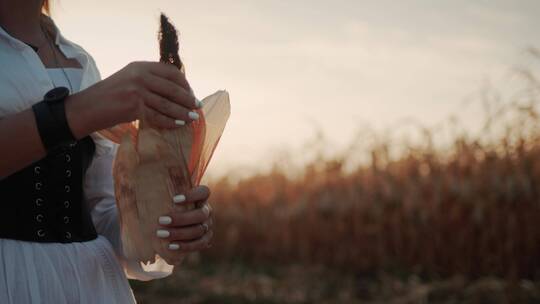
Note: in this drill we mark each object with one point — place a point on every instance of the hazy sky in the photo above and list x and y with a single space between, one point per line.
294 66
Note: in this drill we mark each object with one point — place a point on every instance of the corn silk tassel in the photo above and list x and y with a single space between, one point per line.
152 165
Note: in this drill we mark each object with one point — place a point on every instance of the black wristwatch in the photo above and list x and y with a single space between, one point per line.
51 120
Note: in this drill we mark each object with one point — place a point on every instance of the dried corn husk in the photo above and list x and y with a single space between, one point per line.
152 165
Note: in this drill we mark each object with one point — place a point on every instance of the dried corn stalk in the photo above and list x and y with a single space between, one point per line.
152 165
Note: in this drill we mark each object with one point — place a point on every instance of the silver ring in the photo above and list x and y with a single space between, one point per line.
205 227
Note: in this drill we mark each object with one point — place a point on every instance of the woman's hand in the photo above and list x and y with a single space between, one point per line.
189 231
156 91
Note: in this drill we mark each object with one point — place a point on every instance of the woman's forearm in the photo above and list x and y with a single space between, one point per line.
156 91
20 140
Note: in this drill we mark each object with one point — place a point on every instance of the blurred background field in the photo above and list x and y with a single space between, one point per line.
392 219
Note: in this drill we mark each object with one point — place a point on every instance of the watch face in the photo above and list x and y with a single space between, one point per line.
58 93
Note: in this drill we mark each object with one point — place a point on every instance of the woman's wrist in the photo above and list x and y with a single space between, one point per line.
84 116
90 111
51 119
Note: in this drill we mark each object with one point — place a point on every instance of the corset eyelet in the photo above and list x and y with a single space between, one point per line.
45 214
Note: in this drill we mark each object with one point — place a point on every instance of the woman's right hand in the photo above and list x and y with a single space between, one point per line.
155 91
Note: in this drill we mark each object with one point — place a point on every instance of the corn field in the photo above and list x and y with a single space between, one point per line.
472 207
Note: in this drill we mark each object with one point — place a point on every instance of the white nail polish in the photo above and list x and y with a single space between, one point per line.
173 246
206 210
193 115
165 220
198 103
163 233
179 122
179 198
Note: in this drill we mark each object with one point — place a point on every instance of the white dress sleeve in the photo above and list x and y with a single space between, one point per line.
98 191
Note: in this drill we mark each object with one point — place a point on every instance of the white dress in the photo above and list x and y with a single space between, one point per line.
85 272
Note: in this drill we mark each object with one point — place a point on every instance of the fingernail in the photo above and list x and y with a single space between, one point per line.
179 122
179 198
165 220
173 246
206 210
161 233
193 115
198 104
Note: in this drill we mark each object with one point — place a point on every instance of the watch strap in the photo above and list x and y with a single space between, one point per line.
58 110
52 124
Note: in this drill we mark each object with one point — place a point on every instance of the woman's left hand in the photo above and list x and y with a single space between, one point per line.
189 231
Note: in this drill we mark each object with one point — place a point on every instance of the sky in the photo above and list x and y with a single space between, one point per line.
295 68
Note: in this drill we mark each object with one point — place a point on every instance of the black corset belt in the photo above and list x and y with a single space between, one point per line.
44 201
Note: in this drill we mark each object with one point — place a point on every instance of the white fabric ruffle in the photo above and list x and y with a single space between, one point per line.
85 272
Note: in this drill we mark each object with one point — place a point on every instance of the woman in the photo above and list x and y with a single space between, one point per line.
59 227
